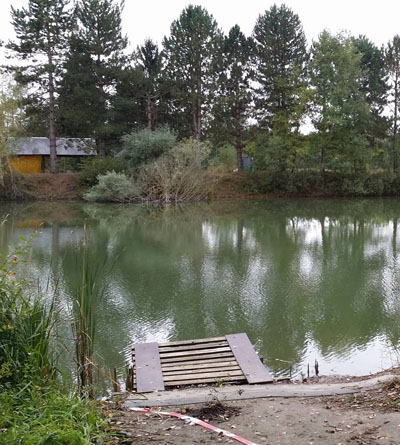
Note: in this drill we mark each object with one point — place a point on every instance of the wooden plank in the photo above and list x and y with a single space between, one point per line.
189 353
148 368
210 361
204 380
248 359
198 357
225 369
199 366
191 342
193 347
216 375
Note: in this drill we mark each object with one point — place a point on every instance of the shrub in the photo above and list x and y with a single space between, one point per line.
225 159
113 187
178 175
91 168
143 146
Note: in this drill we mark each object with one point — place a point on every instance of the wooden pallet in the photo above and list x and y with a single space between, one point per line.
232 358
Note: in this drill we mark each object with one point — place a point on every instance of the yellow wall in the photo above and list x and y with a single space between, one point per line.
27 164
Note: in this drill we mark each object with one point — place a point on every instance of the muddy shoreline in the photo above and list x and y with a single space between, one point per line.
368 417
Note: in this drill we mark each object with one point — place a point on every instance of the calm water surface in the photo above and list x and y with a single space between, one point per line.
306 279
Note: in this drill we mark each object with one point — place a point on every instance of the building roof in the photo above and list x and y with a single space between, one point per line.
41 146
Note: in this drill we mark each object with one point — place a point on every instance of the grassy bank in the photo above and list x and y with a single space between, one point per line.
33 414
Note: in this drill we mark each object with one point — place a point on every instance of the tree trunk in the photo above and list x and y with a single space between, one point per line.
322 160
394 148
238 140
149 113
197 119
102 106
197 108
52 124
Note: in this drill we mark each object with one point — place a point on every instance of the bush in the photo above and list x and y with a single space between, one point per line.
178 175
113 187
143 146
91 168
225 159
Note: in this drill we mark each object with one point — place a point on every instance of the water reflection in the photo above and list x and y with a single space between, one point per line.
305 279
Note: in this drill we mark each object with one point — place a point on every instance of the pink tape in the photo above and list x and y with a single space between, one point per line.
197 422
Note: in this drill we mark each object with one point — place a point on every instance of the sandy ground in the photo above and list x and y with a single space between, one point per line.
365 418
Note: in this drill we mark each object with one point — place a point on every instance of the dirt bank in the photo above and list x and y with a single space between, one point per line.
50 187
371 417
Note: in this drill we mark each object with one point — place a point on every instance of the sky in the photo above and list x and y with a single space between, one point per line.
378 20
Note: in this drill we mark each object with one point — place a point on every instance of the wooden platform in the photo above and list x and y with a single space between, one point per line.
232 358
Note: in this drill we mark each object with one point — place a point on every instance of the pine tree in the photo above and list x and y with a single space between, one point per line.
392 62
42 31
149 59
192 63
100 31
78 103
280 63
233 105
373 85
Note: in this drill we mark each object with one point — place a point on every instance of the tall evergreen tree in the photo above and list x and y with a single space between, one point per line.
100 31
373 84
192 62
149 58
127 108
42 30
392 62
78 94
232 110
280 63
341 113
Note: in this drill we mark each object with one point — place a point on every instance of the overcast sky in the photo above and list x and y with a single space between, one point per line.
377 19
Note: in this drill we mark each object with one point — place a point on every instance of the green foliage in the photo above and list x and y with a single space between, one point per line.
178 175
280 56
94 64
233 105
192 64
26 324
340 111
225 159
392 64
113 187
33 415
143 146
150 61
91 168
315 183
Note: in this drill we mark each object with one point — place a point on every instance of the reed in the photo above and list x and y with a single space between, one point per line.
87 293
26 325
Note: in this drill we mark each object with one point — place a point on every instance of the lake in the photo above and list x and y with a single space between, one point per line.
305 279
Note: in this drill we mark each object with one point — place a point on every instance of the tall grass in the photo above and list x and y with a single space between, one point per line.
26 324
87 293
35 407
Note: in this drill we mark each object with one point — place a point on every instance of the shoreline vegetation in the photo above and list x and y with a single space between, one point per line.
39 404
120 188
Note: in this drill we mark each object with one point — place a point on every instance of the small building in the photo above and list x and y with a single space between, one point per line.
31 153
